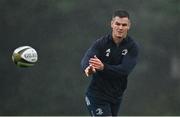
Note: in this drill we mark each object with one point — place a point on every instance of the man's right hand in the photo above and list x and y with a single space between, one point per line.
89 70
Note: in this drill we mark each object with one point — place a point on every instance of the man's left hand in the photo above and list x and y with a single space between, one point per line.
96 63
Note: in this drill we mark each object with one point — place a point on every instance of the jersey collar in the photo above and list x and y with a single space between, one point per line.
121 43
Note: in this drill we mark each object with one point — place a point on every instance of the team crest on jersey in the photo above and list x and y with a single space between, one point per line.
124 52
108 51
99 111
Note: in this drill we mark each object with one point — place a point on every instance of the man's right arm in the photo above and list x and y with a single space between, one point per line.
93 50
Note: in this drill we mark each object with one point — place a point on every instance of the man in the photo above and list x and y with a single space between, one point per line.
109 61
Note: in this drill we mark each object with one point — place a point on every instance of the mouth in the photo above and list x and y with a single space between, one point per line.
119 32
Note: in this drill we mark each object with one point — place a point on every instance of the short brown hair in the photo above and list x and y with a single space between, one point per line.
121 14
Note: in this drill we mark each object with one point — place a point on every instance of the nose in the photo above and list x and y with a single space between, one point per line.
120 27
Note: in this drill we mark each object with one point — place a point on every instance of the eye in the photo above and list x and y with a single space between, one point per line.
124 24
117 23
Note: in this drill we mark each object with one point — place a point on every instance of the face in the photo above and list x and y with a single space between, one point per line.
120 27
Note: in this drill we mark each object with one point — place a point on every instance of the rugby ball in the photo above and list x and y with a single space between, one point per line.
25 56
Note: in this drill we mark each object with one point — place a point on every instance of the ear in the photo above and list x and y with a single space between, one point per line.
112 21
129 24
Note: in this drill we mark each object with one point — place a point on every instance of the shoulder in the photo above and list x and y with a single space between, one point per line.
103 40
133 46
133 42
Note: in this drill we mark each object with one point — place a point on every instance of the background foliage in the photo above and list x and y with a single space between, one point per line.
62 30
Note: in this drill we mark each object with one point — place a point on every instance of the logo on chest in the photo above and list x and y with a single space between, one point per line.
108 51
124 52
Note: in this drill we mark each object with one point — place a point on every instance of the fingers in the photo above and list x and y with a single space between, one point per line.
87 74
96 63
90 70
87 71
92 61
95 59
95 56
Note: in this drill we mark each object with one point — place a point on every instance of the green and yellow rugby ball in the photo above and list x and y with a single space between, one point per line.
25 56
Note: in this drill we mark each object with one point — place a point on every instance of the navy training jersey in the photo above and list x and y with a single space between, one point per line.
119 61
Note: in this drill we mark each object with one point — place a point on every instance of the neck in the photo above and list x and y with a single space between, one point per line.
118 40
